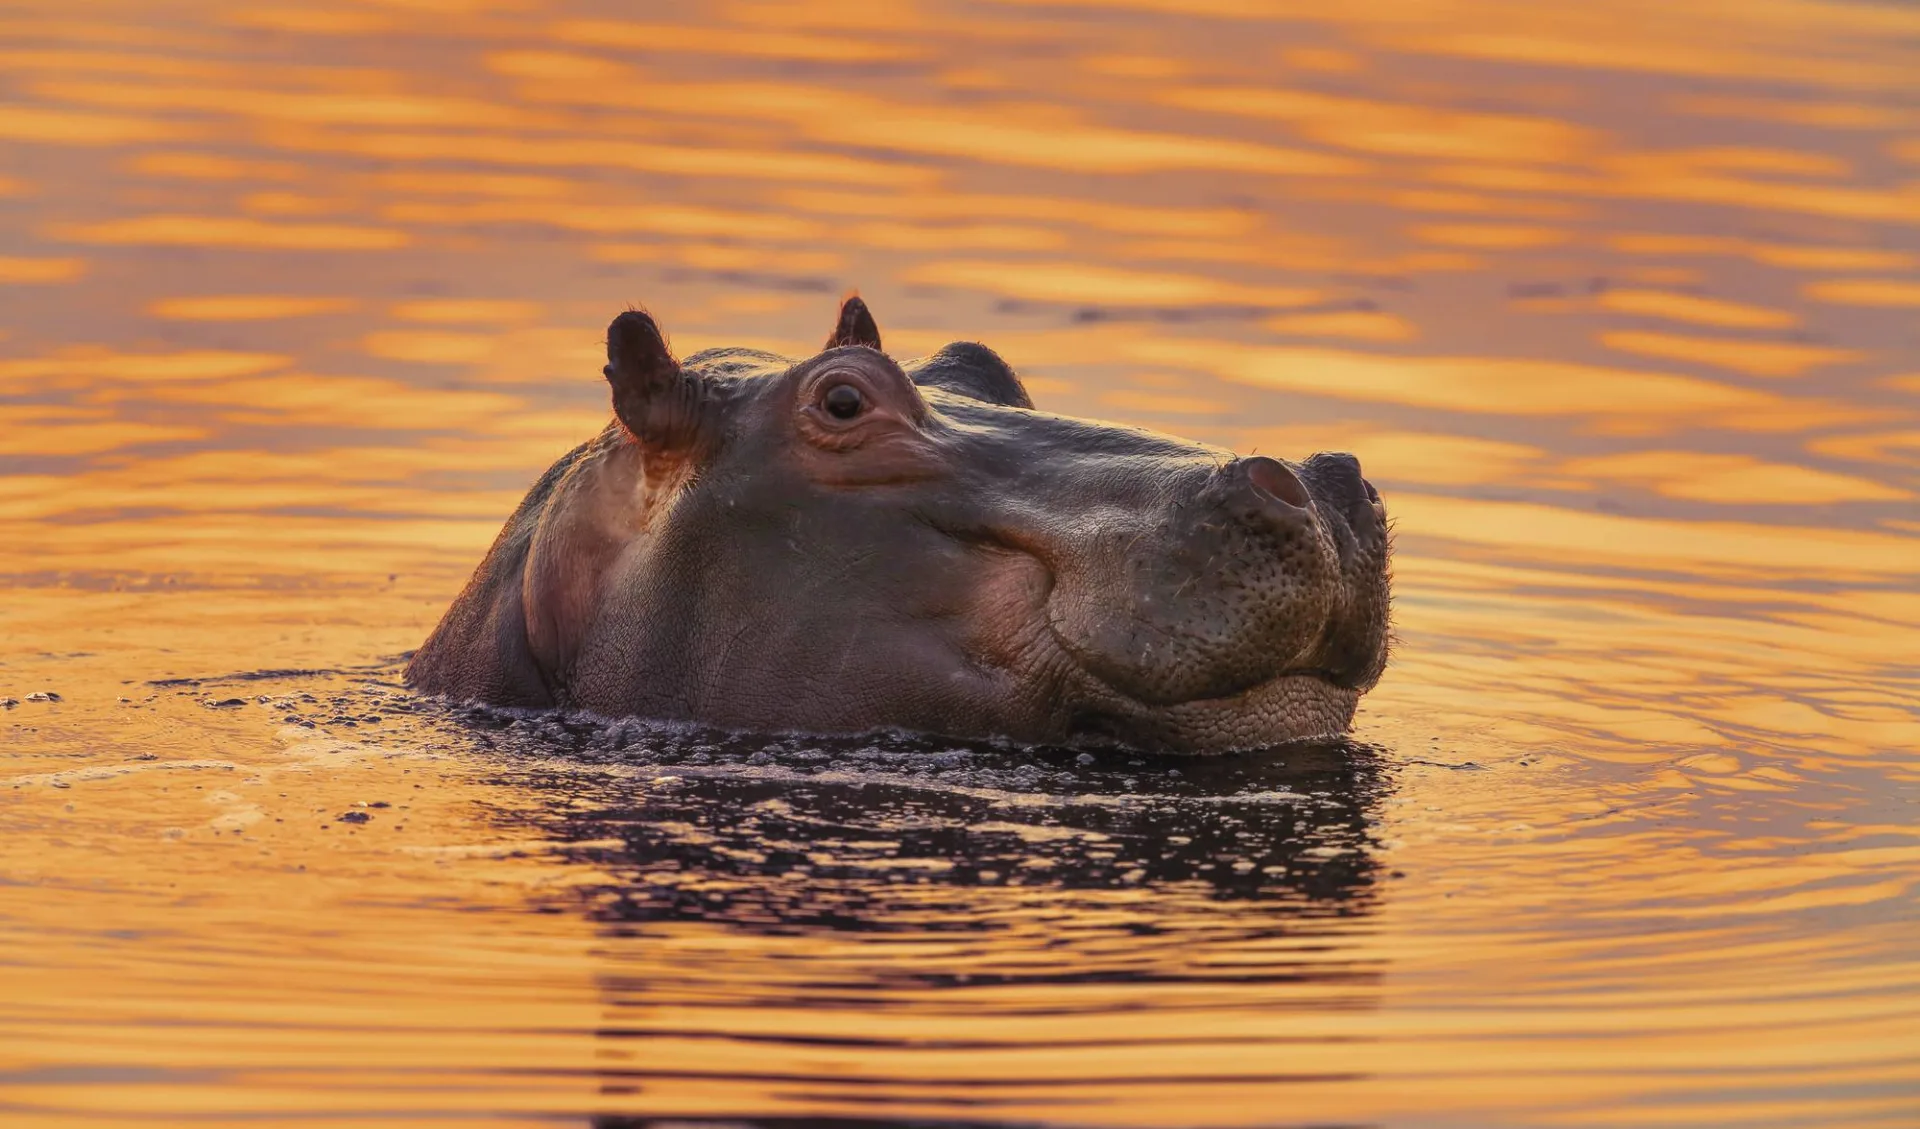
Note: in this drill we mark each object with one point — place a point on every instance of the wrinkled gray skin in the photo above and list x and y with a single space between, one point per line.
944 559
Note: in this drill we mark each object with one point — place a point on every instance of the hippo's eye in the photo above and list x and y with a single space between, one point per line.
843 401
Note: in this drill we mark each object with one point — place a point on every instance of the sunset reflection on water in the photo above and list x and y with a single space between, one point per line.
1618 304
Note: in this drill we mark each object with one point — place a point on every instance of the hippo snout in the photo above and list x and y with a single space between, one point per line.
1226 587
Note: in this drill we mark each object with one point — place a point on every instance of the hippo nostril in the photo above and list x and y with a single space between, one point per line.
1274 479
1375 507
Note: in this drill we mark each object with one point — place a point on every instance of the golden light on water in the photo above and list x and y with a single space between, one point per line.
1615 302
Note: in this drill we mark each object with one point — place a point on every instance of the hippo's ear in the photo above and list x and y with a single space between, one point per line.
973 370
856 325
658 402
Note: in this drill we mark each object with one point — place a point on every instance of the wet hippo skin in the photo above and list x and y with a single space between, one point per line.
846 543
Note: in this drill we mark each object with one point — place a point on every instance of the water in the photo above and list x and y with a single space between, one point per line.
1616 302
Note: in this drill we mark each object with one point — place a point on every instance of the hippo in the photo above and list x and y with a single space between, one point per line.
847 544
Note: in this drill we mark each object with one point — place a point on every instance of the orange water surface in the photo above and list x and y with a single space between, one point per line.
1618 302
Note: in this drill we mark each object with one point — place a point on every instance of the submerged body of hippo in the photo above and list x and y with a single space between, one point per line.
846 544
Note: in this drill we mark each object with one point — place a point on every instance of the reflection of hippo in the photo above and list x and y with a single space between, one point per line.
819 831
842 544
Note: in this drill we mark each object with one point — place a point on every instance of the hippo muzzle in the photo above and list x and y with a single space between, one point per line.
1246 580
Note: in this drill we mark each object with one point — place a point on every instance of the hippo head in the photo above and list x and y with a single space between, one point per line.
848 543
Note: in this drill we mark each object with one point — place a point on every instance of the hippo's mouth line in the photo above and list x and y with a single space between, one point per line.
1316 674
1291 706
1230 698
